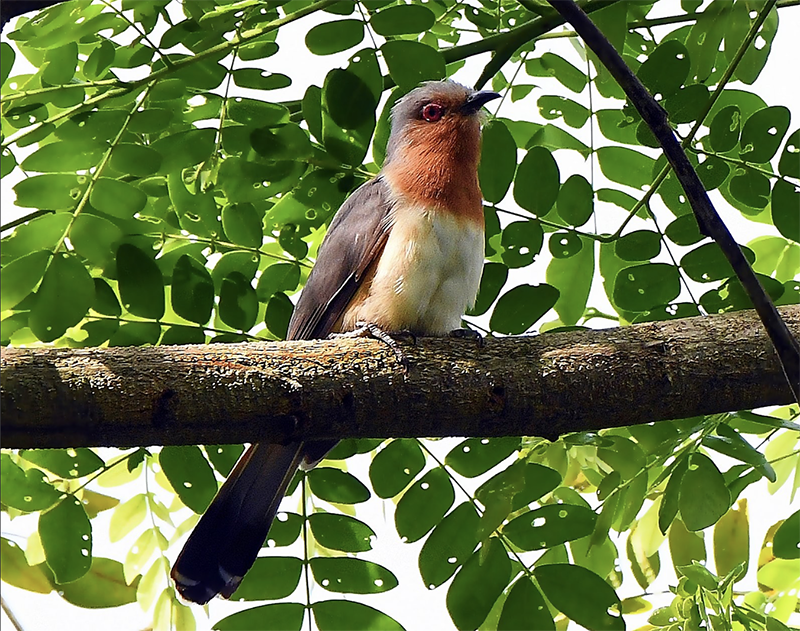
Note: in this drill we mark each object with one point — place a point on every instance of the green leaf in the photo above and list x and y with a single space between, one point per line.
95 238
732 540
725 129
141 285
699 574
285 529
259 113
63 298
785 199
626 166
105 300
580 595
64 156
449 545
669 505
704 497
135 159
522 483
257 50
645 286
246 263
54 191
341 532
395 466
279 311
755 57
707 263
150 121
424 505
103 586
498 158
223 457
186 148
117 198
519 308
786 542
274 617
334 37
270 578
478 585
553 138
763 132
279 277
640 245
411 63
554 107
345 615
42 233
351 576
126 517
99 60
20 277
190 475
260 79
14 567
789 164
26 491
550 526
492 280
238 304
618 126
66 536
525 608
573 274
192 290
475 456
66 463
731 443
521 241
687 104
337 486
684 231
575 203
665 69
402 20
347 104
7 58
712 172
537 181
550 65
7 160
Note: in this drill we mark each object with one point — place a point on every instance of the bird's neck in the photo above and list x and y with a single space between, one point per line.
441 175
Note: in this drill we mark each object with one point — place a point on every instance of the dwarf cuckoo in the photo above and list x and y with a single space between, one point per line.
403 253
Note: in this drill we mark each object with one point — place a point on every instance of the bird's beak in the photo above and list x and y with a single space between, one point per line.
477 100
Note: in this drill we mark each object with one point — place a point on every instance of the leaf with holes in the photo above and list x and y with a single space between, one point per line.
424 505
27 490
763 132
190 475
341 532
475 456
643 287
449 545
66 536
66 463
525 608
550 526
346 575
395 466
573 274
521 241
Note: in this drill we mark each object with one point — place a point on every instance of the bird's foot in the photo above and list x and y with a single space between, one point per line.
468 334
370 329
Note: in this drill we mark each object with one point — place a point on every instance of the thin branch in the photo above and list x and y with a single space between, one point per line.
10 614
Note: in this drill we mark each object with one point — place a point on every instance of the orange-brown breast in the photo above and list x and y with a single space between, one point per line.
436 166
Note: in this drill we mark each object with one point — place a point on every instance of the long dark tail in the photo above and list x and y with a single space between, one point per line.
226 540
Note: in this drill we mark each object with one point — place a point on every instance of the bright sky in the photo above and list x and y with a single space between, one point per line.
777 85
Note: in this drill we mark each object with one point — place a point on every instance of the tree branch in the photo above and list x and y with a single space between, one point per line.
707 217
545 385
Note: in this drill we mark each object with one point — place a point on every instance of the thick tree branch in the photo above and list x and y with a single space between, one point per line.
545 385
708 219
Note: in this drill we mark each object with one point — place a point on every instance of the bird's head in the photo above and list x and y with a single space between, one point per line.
440 120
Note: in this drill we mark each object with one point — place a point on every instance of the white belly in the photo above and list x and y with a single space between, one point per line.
428 275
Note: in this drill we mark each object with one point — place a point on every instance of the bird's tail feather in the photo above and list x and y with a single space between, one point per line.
226 540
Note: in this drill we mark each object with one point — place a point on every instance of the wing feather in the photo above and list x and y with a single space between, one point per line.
356 237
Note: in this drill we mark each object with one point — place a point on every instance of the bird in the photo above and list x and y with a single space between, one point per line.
404 253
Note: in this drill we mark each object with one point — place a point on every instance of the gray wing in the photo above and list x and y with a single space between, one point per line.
355 238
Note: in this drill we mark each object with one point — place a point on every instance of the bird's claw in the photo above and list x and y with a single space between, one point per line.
468 334
370 329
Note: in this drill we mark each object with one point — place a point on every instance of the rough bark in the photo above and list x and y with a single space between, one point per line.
545 385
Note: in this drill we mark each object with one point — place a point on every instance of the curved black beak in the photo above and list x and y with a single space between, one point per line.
477 100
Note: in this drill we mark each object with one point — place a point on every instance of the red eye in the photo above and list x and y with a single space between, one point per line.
432 112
